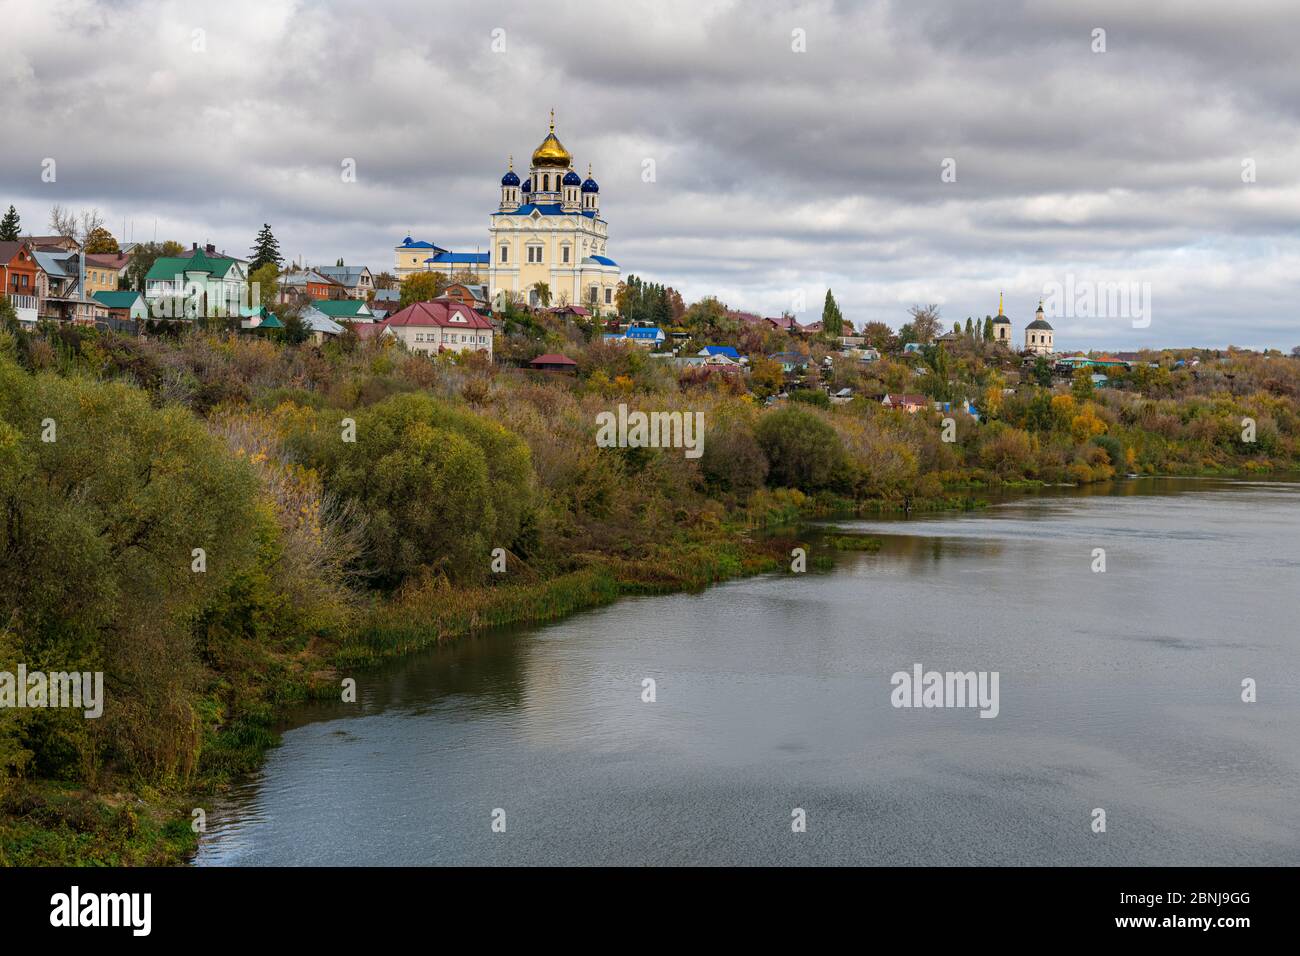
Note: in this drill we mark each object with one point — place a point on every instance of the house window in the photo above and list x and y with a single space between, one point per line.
505 254
534 254
609 296
564 251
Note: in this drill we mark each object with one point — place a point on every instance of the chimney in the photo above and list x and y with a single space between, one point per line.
194 247
210 249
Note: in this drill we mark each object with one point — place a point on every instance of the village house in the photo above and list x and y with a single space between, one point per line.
320 326
357 282
474 296
19 273
307 286
103 273
61 289
195 286
53 243
791 362
340 310
909 403
127 309
442 325
554 362
650 337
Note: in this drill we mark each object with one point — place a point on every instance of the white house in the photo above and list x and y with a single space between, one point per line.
442 325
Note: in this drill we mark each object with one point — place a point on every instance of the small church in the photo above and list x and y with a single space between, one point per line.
1039 334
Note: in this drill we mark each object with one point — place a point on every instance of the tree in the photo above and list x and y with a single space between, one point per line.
832 318
265 249
766 377
421 287
100 240
386 280
543 294
63 222
988 328
925 322
295 329
879 336
1043 372
267 279
143 257
442 486
1081 384
802 450
970 328
10 226
144 487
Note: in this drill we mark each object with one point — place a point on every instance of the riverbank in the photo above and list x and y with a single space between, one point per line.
47 823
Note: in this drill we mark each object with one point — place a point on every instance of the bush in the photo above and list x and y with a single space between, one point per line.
803 451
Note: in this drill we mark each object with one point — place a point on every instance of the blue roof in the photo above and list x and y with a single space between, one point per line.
412 244
550 209
571 178
640 332
605 260
728 350
475 257
510 178
590 186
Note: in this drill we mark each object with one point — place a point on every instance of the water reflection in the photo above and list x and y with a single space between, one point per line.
1118 690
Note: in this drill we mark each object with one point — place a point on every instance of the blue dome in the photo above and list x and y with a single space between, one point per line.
590 186
571 178
528 185
510 179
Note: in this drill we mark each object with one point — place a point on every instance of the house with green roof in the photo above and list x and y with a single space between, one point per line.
259 319
124 304
336 309
196 286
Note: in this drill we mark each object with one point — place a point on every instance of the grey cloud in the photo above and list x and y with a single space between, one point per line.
776 170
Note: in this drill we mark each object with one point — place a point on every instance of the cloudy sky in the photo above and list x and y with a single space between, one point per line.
795 146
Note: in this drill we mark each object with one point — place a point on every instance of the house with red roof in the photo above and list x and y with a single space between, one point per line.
440 325
554 362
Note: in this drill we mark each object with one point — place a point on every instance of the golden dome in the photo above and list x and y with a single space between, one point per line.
552 152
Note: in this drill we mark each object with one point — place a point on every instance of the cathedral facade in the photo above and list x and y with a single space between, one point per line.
546 240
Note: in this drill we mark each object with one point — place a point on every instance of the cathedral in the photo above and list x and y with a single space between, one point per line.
546 231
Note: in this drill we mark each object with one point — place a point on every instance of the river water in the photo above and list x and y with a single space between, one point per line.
1119 690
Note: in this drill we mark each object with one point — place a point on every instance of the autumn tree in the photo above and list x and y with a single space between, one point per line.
101 241
422 287
266 278
879 336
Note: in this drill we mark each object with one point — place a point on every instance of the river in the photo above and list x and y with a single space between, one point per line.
1118 690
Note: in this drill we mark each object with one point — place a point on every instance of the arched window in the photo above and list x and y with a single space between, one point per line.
546 183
